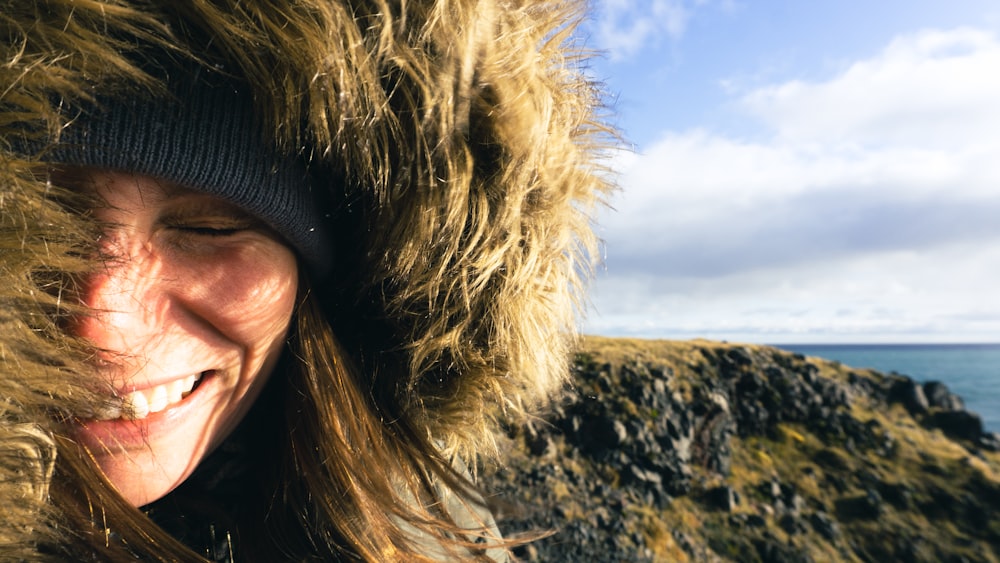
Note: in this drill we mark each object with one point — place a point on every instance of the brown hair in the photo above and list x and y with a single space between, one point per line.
323 500
463 151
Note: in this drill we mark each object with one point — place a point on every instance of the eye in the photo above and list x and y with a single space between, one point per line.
200 216
213 225
208 231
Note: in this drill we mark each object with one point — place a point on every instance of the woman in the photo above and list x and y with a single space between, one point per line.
273 272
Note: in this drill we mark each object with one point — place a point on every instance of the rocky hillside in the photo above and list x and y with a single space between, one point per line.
705 451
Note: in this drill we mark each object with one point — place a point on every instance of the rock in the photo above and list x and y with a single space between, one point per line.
990 441
795 504
961 425
738 520
833 459
821 474
872 503
713 429
910 394
738 357
939 396
792 524
538 443
637 474
771 550
684 541
722 498
660 388
604 434
825 526
899 495
832 394
868 387
864 507
772 490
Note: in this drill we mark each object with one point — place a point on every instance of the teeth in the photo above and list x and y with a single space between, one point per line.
139 404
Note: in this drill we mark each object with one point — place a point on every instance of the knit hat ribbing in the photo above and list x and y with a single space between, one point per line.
206 137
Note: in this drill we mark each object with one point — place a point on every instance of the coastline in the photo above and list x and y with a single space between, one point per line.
710 451
970 370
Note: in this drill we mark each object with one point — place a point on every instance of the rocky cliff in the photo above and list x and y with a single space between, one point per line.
705 451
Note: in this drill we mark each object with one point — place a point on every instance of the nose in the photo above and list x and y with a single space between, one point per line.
126 294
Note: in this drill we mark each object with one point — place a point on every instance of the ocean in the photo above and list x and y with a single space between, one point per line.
971 371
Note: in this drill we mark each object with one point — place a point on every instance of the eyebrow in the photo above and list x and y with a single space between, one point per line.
173 189
207 205
204 201
83 178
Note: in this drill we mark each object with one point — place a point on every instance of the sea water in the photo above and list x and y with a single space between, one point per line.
971 371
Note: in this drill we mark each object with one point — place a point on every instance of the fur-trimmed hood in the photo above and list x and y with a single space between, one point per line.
458 141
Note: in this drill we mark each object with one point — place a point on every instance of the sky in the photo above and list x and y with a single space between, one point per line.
800 172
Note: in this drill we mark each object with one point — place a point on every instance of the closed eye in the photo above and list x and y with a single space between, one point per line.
206 216
209 231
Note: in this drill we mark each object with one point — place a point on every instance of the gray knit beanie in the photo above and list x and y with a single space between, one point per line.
207 137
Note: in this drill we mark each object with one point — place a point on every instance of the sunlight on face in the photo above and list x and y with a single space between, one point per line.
192 306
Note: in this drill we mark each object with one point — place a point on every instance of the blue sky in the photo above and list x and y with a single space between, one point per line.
801 172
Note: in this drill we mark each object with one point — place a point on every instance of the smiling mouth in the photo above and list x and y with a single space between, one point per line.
139 404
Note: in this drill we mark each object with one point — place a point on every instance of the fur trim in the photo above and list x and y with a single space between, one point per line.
464 131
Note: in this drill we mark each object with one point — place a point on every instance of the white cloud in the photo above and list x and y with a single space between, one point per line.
932 88
625 27
939 294
871 206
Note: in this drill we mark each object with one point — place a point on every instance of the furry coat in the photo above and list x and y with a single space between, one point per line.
459 141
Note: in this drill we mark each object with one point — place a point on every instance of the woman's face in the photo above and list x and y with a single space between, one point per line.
192 304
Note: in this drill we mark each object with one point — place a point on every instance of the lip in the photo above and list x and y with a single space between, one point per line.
146 385
102 436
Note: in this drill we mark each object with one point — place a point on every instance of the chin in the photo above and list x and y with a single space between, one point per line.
147 458
143 477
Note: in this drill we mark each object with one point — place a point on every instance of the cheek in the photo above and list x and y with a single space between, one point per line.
248 293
